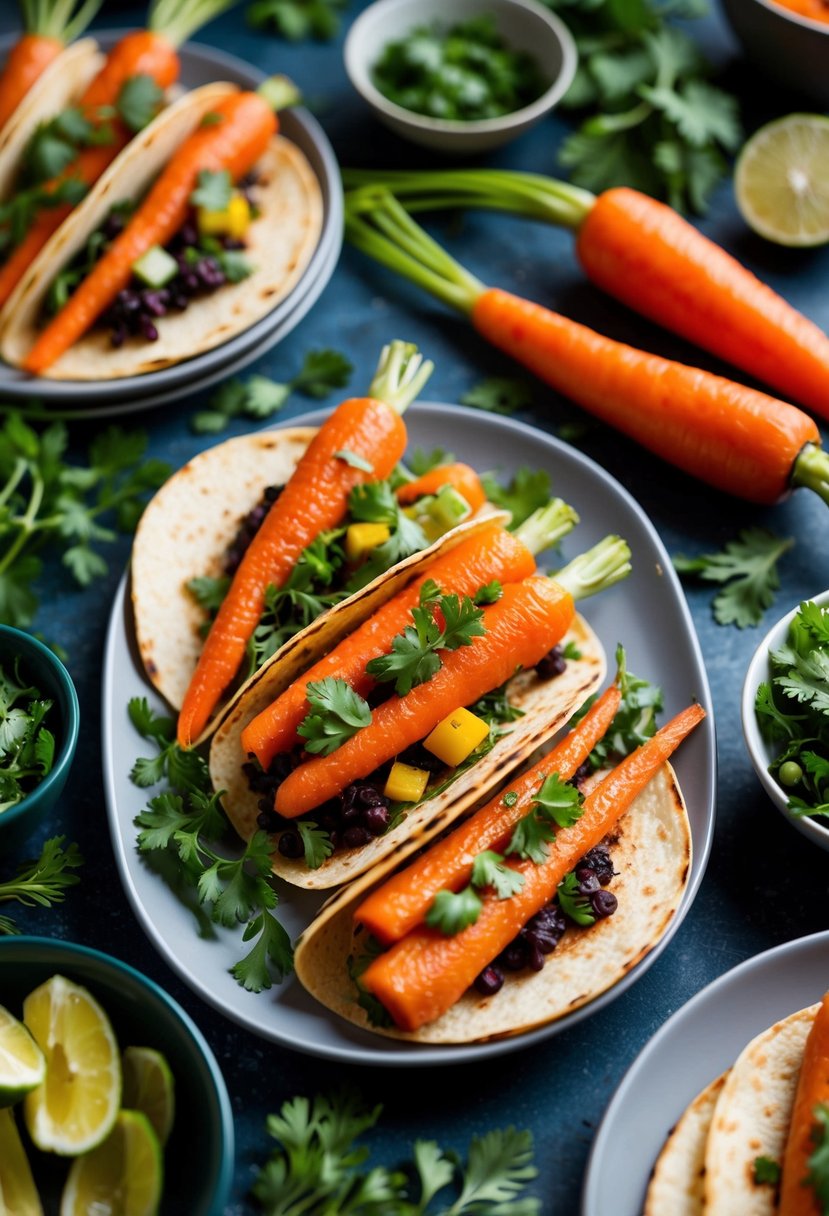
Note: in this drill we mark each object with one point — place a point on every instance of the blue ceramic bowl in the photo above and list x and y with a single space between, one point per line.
198 1158
46 672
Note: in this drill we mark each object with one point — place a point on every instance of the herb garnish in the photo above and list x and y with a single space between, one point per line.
41 882
766 1171
528 490
634 721
337 713
297 19
139 100
259 397
375 502
213 190
27 746
18 212
499 395
749 566
556 804
573 903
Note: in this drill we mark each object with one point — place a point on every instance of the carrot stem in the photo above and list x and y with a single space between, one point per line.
177 20
547 526
56 18
811 469
401 374
596 569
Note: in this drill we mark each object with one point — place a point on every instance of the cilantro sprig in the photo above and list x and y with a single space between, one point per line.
27 745
556 804
527 491
186 819
297 20
42 881
337 713
318 1166
748 568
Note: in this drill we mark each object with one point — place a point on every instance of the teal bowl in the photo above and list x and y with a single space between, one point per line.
44 670
198 1158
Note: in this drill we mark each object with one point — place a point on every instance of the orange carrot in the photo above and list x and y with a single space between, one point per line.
393 909
734 438
797 1198
426 972
234 143
521 627
460 476
491 553
49 27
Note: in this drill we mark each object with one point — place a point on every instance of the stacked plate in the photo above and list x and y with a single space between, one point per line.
200 65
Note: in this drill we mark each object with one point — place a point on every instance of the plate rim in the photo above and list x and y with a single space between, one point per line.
392 1052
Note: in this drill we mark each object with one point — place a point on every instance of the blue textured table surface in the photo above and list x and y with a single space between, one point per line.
764 884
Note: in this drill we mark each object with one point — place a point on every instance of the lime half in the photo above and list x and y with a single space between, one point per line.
781 180
18 1194
148 1087
75 1107
121 1177
22 1066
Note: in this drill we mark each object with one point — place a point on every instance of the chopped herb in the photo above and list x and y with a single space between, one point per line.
766 1171
510 798
337 713
27 745
490 870
528 490
56 144
297 20
421 462
749 566
18 212
213 191
559 801
139 100
634 721
495 706
354 461
375 502
499 395
530 838
42 882
490 593
573 903
414 657
316 843
453 911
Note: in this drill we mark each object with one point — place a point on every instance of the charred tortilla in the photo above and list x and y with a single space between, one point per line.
650 849
278 246
677 1184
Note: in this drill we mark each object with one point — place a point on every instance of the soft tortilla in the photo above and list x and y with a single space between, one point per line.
677 1186
185 532
279 245
547 705
651 849
58 87
752 1117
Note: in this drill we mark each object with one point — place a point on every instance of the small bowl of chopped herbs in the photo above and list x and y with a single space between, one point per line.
39 722
460 76
785 712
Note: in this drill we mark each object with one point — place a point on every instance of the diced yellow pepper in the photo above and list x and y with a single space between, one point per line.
456 737
233 221
360 539
406 783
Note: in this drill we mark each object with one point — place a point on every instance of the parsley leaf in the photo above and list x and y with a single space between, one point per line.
413 658
297 20
139 100
766 1171
421 462
573 903
559 801
453 911
41 882
316 843
271 955
27 746
490 870
376 502
184 769
528 490
634 721
499 395
818 1163
213 190
530 838
337 713
749 566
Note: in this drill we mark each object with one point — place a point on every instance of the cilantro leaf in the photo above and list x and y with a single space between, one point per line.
490 870
337 713
421 462
297 20
139 100
43 881
413 658
528 490
489 593
749 566
499 395
316 843
453 911
530 838
573 903
322 372
273 946
634 721
766 1171
559 801
27 746
213 190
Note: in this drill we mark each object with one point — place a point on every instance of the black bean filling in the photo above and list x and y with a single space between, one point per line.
544 931
553 664
248 528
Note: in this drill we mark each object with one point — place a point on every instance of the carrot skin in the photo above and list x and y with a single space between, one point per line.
426 972
26 61
138 53
393 909
521 627
730 436
314 499
812 1089
645 254
492 553
460 476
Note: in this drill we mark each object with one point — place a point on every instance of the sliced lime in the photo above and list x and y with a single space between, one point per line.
18 1194
22 1066
781 180
121 1177
149 1087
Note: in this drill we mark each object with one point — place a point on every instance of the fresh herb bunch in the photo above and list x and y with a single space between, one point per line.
48 504
297 20
318 1167
464 73
27 746
654 122
186 820
793 710
748 565
43 881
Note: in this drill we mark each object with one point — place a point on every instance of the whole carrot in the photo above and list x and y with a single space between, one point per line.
493 553
459 476
646 255
728 435
520 628
393 909
48 28
797 1197
426 972
314 499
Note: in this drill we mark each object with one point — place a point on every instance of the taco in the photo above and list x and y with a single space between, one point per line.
677 1185
473 941
229 262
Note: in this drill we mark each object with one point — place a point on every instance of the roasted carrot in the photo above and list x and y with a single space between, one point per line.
426 972
646 255
314 499
48 27
393 909
521 627
151 52
460 476
728 435
797 1198
493 553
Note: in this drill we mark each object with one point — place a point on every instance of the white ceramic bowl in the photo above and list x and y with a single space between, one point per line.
783 45
763 753
523 24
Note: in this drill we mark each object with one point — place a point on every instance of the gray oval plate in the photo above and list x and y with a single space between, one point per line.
694 1046
647 613
199 65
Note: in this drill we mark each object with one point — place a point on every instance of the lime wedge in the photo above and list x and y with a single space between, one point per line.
22 1066
75 1107
18 1195
781 180
148 1087
121 1177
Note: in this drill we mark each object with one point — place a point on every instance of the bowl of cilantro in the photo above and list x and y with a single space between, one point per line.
39 723
460 76
785 713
